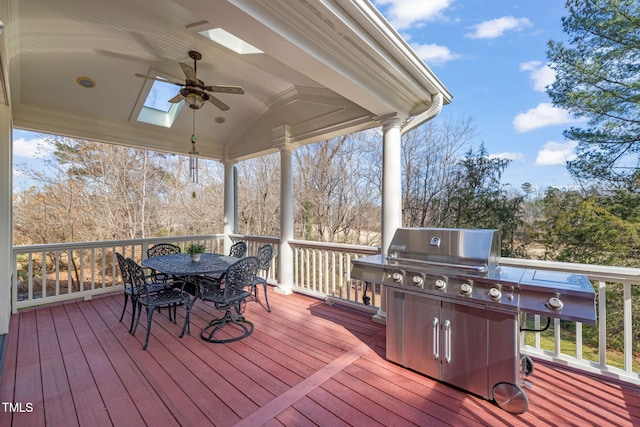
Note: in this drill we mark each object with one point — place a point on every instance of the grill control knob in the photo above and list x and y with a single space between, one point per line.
465 289
555 304
397 277
495 294
418 281
440 284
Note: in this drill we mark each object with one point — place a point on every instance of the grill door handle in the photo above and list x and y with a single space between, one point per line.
436 338
447 341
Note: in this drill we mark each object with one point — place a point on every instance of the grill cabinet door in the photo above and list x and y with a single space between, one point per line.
464 347
422 343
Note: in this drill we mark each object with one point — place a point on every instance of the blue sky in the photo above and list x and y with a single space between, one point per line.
491 55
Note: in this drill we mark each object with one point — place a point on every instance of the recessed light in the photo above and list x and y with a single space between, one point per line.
86 82
220 119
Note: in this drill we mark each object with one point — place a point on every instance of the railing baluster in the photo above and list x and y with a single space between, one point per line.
602 324
579 340
56 269
556 337
628 329
30 286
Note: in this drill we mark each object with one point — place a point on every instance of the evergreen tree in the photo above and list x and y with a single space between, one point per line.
598 79
478 200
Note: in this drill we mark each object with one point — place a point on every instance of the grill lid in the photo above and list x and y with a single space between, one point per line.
472 250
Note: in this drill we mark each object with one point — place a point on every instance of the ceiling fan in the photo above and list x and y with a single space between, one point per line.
193 91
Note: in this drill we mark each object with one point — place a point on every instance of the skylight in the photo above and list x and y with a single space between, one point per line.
230 41
156 109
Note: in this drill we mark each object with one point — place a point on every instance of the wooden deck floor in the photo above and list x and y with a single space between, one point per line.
307 363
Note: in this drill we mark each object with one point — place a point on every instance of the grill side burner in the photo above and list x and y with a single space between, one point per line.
453 311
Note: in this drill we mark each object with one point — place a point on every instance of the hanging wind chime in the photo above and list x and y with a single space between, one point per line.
193 154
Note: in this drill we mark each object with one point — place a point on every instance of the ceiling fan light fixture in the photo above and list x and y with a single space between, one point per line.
194 100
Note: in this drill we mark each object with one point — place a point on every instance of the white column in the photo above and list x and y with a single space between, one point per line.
391 181
230 221
391 194
6 185
285 251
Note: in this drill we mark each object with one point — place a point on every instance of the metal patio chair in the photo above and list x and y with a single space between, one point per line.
264 255
165 297
238 250
160 249
229 297
128 288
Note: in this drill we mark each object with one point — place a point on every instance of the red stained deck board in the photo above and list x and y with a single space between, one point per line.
7 385
113 392
341 408
55 384
86 397
324 364
28 387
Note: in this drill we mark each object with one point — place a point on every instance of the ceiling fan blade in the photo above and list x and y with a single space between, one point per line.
179 97
159 79
237 90
215 101
188 71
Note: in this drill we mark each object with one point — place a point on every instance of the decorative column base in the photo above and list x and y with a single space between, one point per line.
283 290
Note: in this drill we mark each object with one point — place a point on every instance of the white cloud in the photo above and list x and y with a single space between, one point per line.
433 54
403 14
497 27
541 74
35 148
556 153
508 155
543 115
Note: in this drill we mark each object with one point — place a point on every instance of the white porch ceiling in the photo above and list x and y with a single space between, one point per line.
328 68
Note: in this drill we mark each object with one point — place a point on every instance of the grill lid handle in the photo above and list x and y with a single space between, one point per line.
477 268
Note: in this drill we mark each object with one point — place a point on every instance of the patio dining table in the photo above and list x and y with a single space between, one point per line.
182 267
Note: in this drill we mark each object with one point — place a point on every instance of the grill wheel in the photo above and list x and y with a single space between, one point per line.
511 398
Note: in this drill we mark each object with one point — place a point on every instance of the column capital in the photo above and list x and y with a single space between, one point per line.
287 148
391 120
281 137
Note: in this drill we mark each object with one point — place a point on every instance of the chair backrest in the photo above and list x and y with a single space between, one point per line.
238 250
239 275
163 249
124 271
264 255
138 281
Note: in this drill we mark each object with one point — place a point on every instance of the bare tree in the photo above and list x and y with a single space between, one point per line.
94 191
259 196
333 191
429 157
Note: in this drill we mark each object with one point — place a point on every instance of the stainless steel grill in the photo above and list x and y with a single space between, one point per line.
453 311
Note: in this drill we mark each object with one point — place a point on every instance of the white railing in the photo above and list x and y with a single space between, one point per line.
324 270
51 273
81 270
